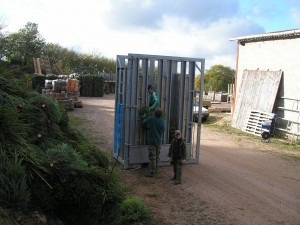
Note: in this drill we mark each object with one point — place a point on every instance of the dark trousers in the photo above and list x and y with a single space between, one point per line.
153 158
177 168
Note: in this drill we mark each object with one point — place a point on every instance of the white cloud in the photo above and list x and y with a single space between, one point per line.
132 13
83 25
295 14
178 37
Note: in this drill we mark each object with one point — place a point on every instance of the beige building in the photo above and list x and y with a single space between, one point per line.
275 51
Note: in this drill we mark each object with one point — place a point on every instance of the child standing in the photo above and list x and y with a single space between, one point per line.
177 153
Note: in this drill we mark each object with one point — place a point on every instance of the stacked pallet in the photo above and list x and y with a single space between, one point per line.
254 122
66 92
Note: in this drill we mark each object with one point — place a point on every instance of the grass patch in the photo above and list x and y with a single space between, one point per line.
214 121
132 211
75 121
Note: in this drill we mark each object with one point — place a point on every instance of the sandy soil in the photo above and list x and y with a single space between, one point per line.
236 182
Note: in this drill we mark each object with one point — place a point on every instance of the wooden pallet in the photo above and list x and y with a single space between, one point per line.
254 122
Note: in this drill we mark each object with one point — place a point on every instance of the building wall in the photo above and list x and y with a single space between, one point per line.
275 55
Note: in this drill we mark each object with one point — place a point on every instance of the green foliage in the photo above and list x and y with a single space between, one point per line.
63 159
197 82
74 62
132 210
43 115
92 86
49 166
10 125
81 193
90 153
98 87
145 111
38 81
14 191
216 78
11 87
19 48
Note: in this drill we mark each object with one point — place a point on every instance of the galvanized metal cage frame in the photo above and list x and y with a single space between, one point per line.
173 79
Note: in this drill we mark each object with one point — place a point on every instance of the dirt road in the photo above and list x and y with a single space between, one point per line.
234 183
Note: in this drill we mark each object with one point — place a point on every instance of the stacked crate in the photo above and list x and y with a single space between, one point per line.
58 90
73 92
47 90
60 94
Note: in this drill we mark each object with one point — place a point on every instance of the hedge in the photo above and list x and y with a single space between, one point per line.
38 81
91 86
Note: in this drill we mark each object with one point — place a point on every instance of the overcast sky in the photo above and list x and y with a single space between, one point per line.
190 28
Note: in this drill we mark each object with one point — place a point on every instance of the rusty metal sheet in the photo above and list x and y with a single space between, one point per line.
257 91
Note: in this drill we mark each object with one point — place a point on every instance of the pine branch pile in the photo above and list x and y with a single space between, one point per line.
45 164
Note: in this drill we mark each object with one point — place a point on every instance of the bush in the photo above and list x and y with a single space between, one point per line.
89 152
98 86
38 81
92 86
132 210
49 166
80 193
14 191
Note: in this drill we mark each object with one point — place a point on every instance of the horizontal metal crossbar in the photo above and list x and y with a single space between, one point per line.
157 57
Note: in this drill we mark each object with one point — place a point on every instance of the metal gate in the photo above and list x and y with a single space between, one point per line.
173 79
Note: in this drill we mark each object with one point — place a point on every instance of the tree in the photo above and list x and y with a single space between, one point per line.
197 82
74 62
217 78
19 48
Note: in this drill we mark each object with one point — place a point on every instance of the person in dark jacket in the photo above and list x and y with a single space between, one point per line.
155 128
177 153
154 102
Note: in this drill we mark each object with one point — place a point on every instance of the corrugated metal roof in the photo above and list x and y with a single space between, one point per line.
295 33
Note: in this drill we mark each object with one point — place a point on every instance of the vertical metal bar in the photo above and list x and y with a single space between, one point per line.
173 103
139 107
119 126
159 79
133 107
144 91
116 127
167 104
190 101
181 100
127 112
151 73
144 74
200 109
123 91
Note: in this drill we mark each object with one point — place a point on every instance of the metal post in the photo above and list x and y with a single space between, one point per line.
151 73
200 108
190 101
144 74
133 100
159 79
167 106
181 101
127 112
